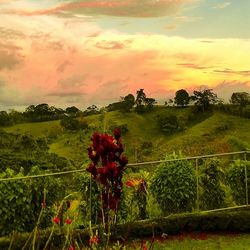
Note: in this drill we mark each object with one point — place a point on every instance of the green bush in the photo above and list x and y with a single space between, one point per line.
236 180
168 124
174 185
122 127
213 195
20 201
70 123
90 197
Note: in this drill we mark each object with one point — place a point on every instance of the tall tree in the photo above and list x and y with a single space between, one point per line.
181 98
140 101
72 111
129 101
140 98
240 98
149 102
204 98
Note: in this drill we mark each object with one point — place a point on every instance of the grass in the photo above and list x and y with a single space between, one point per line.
205 134
210 242
36 129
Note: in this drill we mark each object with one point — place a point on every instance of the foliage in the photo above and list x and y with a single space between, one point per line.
72 111
204 98
91 110
168 124
42 112
129 102
181 98
4 119
142 101
21 201
240 98
90 203
149 102
107 166
125 105
237 181
173 185
213 195
71 123
122 127
139 196
25 151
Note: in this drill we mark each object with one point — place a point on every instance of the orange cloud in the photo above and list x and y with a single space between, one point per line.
131 8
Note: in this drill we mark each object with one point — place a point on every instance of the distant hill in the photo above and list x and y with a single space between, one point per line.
144 141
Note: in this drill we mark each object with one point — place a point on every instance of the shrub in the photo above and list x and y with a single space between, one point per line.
213 195
236 180
122 127
174 185
89 195
21 201
168 124
71 123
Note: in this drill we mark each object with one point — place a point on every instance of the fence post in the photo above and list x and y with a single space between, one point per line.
197 185
246 179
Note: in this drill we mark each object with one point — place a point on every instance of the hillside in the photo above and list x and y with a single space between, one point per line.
202 134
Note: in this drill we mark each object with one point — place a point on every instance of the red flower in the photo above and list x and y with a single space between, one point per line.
134 182
145 247
129 184
117 134
94 240
71 248
92 169
68 221
123 161
107 166
56 220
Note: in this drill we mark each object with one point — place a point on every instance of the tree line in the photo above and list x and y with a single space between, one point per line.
203 100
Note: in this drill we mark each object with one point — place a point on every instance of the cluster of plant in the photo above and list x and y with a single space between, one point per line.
168 124
104 200
123 128
174 185
107 167
21 201
211 181
25 151
237 175
71 123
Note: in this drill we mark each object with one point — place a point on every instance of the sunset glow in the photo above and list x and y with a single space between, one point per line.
83 52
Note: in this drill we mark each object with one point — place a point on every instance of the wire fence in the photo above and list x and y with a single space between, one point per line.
210 190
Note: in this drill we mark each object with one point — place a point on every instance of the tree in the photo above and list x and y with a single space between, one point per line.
72 111
4 118
91 110
168 124
142 101
240 98
140 98
150 102
204 98
181 98
129 102
71 123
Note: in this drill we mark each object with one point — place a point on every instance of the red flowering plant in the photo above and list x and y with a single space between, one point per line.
139 186
107 167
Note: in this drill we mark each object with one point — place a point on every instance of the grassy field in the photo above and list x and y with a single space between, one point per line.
203 241
205 134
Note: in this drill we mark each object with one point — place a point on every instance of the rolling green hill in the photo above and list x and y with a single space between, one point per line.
202 134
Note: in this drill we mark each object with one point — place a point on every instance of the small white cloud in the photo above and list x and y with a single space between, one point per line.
222 5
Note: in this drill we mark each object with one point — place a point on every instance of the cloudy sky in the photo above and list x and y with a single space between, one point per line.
83 52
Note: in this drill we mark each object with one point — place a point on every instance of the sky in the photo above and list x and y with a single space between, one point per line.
84 52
